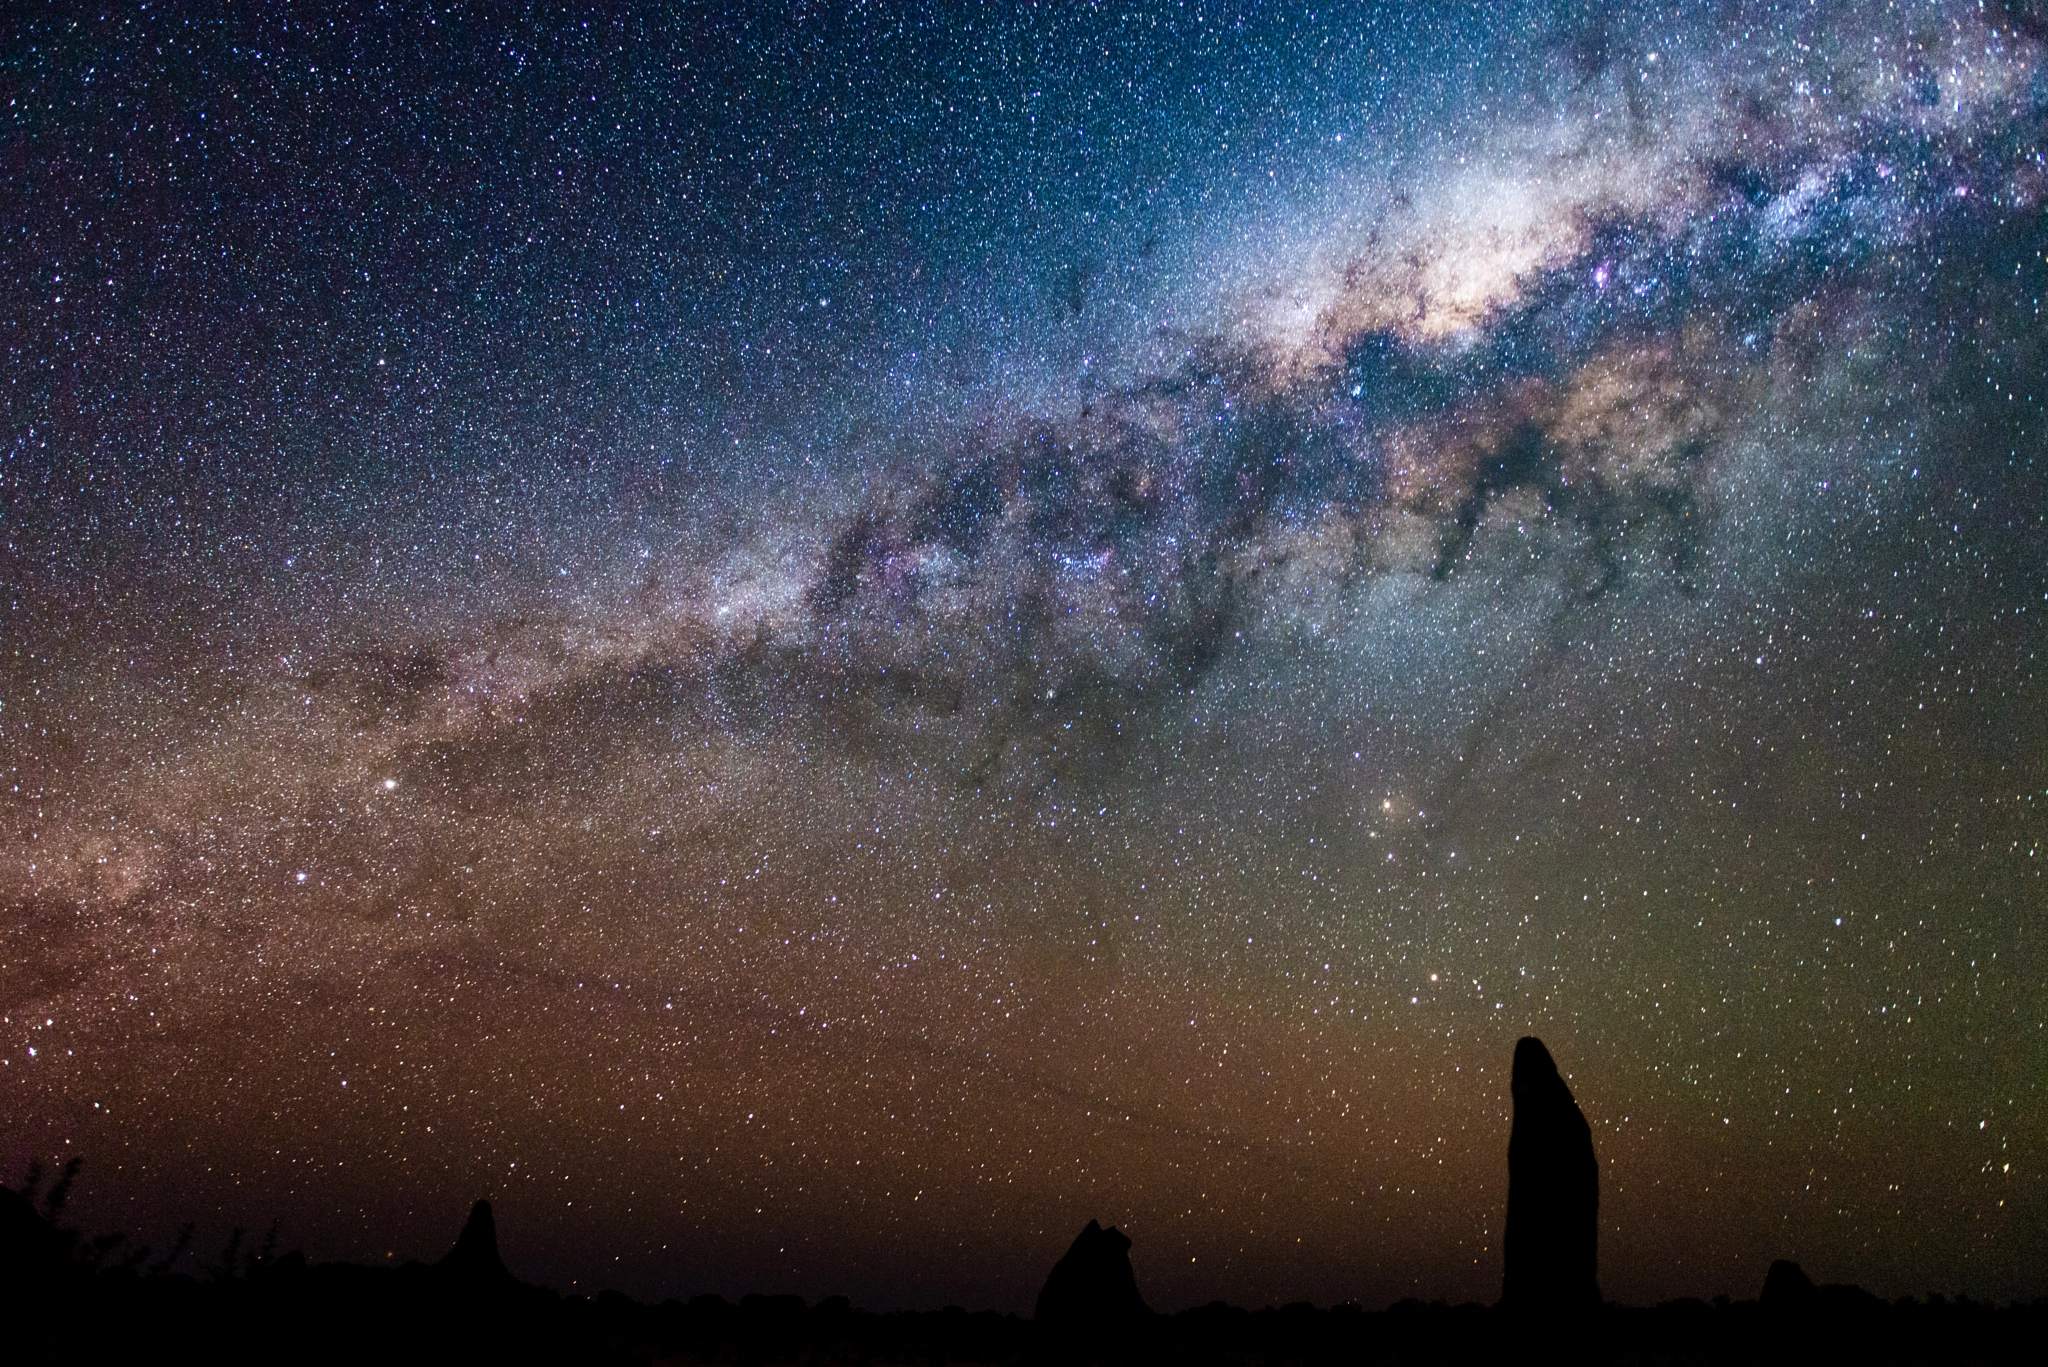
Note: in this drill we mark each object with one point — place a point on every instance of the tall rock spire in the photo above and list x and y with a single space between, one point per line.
1549 1249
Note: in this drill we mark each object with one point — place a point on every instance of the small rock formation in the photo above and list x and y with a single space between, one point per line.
474 1260
1092 1288
1549 1247
1787 1287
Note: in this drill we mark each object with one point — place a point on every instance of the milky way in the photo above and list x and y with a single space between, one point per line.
811 649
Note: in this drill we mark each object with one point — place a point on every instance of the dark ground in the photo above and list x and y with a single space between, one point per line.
69 1299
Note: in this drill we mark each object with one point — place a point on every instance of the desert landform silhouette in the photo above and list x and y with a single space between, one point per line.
1092 1286
474 1259
71 1299
1549 1251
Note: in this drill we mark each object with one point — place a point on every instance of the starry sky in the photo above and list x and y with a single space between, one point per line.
810 644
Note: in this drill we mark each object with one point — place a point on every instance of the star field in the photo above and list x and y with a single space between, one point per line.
811 646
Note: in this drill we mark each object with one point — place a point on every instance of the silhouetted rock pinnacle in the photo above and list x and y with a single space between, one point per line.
1093 1286
475 1255
1549 1246
1787 1287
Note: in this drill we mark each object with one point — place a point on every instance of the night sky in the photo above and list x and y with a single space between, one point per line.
810 646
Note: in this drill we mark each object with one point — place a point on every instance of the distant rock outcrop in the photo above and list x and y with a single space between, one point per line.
1092 1288
1549 1248
1787 1287
474 1260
